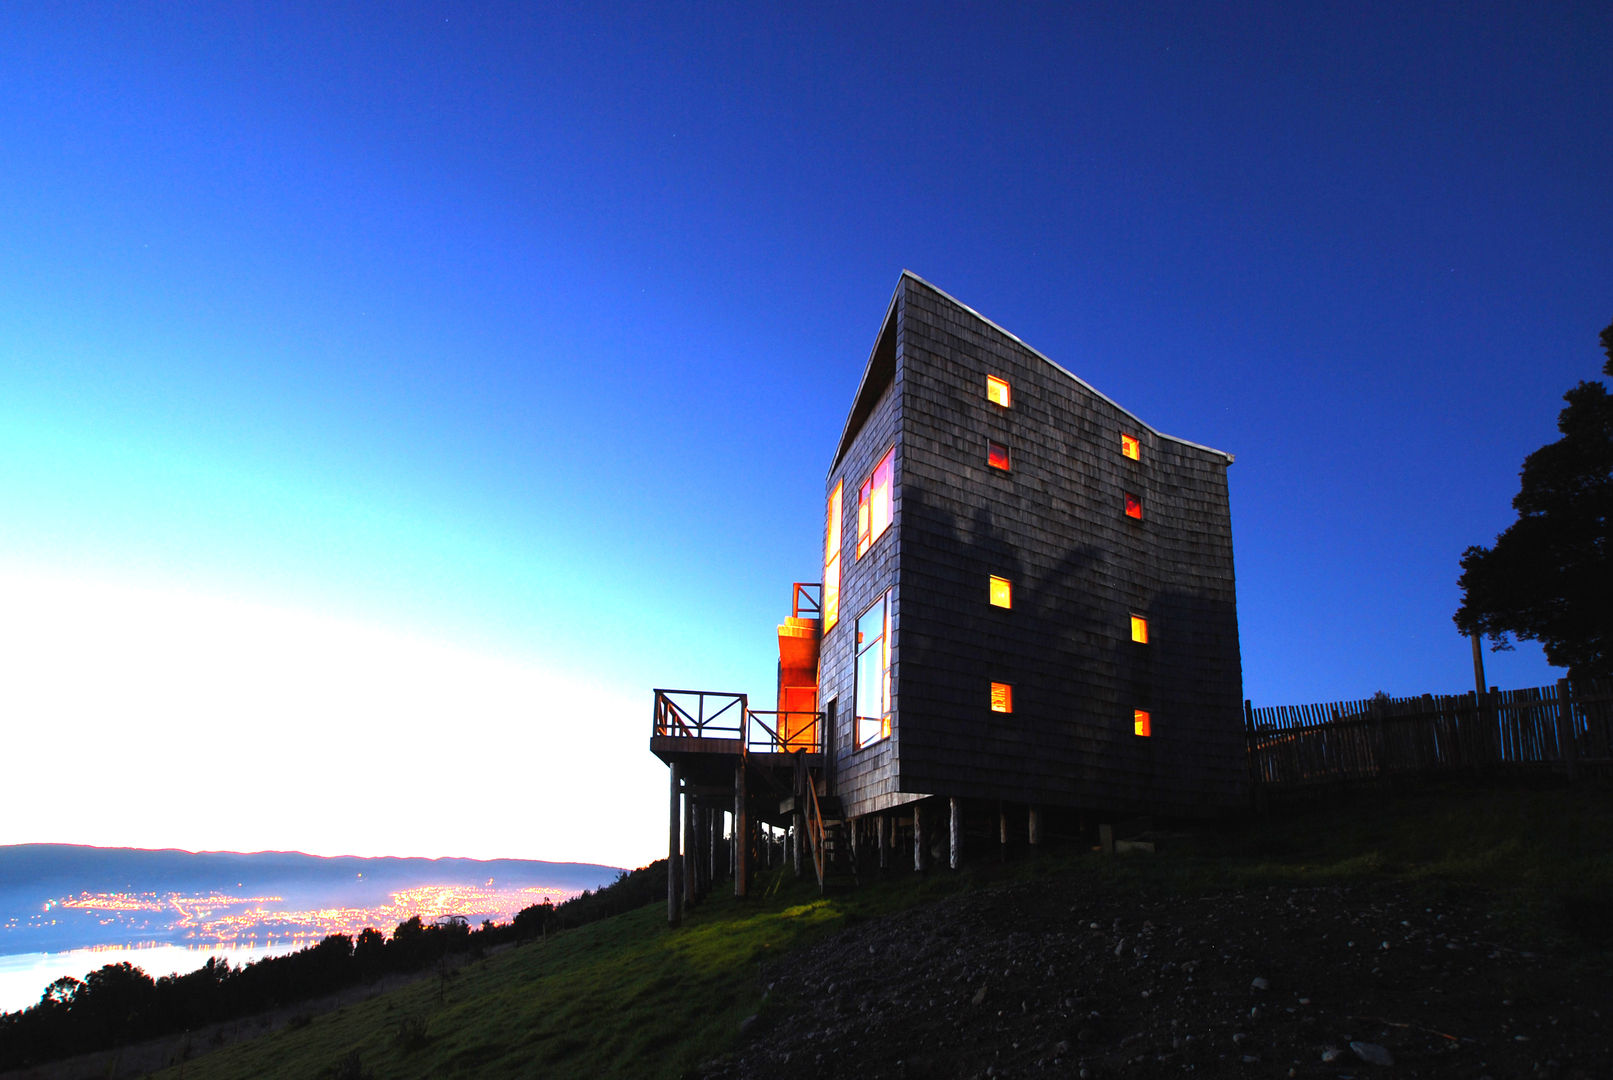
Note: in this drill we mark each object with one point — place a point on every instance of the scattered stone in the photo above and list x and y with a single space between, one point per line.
1260 983
1373 1054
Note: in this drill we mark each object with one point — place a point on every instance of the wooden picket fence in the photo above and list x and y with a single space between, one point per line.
1565 729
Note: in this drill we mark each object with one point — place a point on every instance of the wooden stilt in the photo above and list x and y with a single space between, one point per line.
1035 826
798 837
691 846
742 831
955 832
879 836
1002 832
674 860
920 856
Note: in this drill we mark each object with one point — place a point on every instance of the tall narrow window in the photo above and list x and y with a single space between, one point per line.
1002 697
996 455
1002 592
1141 723
874 672
874 503
997 390
831 562
1139 629
1134 506
1130 447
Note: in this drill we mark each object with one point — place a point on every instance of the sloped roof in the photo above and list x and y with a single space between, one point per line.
881 370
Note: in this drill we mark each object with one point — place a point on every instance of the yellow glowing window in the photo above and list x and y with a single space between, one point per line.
1130 447
1002 697
1139 629
997 455
831 562
1134 506
1141 723
1002 592
874 503
997 390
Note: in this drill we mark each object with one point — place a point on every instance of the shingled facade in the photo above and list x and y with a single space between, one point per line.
1027 609
1111 681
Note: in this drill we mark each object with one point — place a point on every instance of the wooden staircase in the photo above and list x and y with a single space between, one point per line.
831 846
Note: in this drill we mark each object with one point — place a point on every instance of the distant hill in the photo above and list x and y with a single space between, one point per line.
33 875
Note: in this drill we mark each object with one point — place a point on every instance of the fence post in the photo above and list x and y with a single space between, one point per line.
1257 793
1567 729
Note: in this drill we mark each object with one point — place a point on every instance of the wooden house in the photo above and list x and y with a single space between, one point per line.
1027 608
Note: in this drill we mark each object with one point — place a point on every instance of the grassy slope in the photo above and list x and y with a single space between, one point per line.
625 997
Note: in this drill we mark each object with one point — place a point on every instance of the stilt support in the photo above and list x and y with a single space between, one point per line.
674 856
955 832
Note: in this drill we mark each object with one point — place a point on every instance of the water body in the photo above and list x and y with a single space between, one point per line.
24 976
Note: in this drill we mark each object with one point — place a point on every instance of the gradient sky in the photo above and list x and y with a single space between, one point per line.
391 395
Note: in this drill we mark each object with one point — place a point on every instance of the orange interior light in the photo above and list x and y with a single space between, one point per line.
1002 592
1130 447
1134 506
997 455
997 390
1139 629
1002 697
831 562
1141 723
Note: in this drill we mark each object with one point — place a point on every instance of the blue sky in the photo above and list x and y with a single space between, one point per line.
391 395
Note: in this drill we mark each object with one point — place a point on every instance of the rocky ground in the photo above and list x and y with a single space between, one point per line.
1068 978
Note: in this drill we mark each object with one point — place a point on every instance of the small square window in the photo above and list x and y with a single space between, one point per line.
1130 447
1002 697
1139 629
1141 723
1002 592
1134 506
997 455
997 390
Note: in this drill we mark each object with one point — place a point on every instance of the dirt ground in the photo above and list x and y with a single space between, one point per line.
1056 978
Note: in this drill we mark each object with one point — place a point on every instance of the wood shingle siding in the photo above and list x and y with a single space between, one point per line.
1055 525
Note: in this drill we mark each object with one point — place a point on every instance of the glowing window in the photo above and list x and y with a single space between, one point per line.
874 503
1130 447
997 390
1141 723
1139 629
1134 506
997 455
1002 697
874 673
831 562
1002 592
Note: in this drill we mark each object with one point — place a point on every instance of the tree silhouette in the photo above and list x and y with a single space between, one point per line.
1549 577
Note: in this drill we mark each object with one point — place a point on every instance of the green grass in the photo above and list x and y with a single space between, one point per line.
627 997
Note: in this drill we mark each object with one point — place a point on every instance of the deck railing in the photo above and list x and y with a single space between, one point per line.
773 732
710 714
700 714
806 602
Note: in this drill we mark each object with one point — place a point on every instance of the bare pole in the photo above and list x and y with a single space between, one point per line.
955 832
1478 664
741 830
674 860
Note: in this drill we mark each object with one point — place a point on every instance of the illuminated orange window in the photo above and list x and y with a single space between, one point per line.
1002 697
1134 506
997 455
1139 629
1130 447
831 562
874 503
1141 723
1002 592
997 390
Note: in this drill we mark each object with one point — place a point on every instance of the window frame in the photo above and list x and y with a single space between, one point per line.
994 382
1142 723
1131 447
883 722
831 555
992 581
1133 502
1007 698
1139 622
867 535
1007 465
